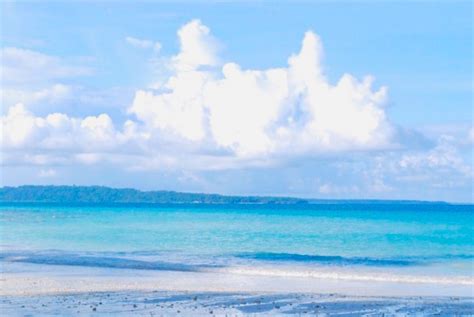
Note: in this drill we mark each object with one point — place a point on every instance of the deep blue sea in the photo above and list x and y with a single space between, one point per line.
434 241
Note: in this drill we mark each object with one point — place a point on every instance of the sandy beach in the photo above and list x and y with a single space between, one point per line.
29 291
159 303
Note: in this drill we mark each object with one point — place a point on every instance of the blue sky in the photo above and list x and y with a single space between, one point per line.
84 59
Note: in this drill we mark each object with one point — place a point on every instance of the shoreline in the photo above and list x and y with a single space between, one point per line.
30 285
52 290
19 279
161 303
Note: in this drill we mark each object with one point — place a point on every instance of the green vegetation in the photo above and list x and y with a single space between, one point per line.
107 195
99 194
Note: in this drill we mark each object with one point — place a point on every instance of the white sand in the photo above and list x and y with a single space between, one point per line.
29 289
40 280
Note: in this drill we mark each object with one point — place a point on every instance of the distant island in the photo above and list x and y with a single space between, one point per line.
101 194
104 195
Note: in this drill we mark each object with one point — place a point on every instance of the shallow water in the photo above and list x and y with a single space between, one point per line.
377 241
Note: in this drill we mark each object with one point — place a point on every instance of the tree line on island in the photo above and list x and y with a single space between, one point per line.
101 194
107 195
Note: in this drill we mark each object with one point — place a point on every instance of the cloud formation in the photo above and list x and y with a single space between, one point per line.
208 108
263 112
39 80
210 115
56 131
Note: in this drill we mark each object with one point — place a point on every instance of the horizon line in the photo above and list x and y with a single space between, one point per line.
307 199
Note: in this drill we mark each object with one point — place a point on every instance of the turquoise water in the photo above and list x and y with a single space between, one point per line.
382 236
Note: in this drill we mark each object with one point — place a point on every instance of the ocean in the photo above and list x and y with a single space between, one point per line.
382 241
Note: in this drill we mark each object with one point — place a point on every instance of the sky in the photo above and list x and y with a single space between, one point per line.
350 100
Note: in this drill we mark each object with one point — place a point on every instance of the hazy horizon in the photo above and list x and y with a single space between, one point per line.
309 199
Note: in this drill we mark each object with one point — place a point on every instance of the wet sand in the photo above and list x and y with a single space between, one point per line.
229 304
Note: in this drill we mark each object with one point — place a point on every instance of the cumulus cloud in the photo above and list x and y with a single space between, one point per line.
213 115
57 131
263 112
197 47
220 107
218 112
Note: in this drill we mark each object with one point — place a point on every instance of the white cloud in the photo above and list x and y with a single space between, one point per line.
221 115
263 112
447 163
144 44
52 94
178 112
211 115
57 131
445 156
198 47
26 66
34 78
